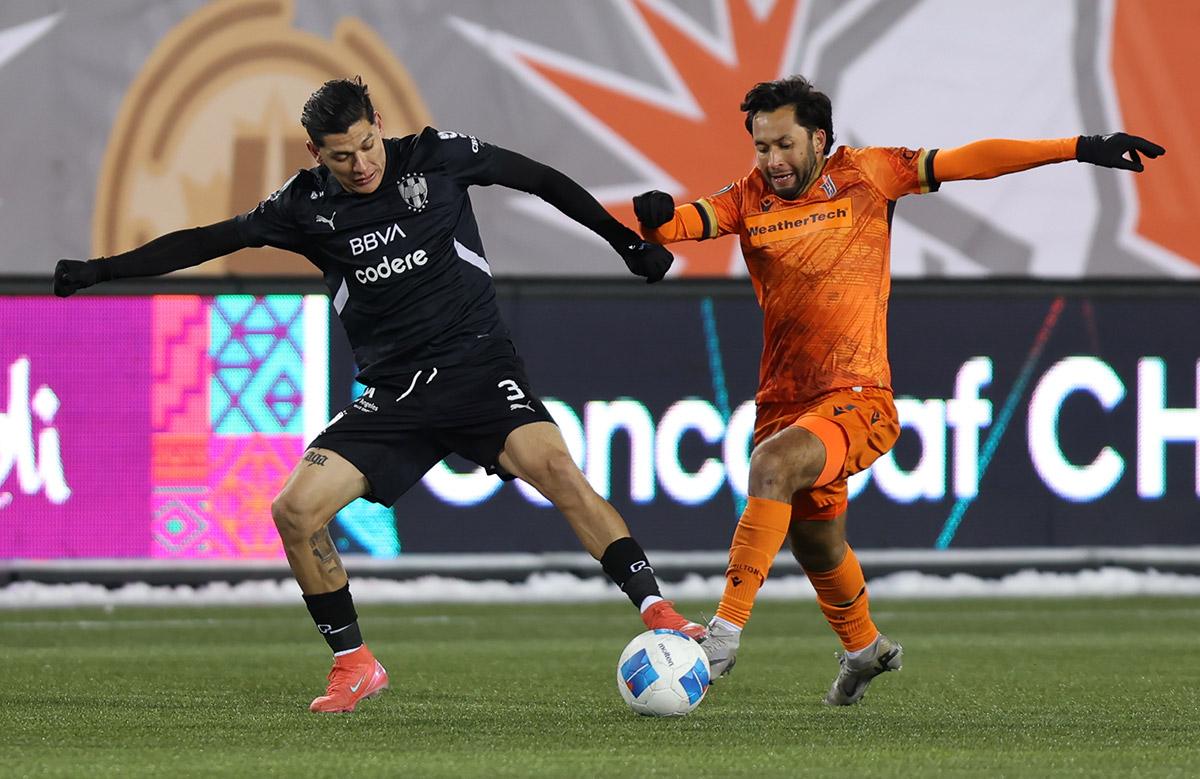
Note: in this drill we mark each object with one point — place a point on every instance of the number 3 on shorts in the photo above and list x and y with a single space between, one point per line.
514 392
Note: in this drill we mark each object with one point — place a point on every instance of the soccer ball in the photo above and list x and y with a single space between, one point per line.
662 673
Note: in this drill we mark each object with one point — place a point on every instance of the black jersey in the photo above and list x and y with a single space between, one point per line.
405 265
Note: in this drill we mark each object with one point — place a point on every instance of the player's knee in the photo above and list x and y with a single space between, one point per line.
777 475
561 478
292 521
765 471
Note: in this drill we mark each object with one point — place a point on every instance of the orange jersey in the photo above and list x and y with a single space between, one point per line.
820 263
820 266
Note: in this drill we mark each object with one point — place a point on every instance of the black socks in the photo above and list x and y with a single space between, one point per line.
336 618
626 564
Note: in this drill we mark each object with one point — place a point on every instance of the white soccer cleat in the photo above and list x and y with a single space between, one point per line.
881 656
720 647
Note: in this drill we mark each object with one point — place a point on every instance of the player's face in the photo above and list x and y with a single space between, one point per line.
356 158
789 156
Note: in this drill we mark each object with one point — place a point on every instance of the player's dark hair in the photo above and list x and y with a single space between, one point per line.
333 108
814 111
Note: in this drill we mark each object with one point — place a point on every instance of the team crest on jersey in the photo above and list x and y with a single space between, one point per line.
828 186
415 191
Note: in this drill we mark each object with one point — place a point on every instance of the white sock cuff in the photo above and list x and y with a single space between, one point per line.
851 655
649 601
726 624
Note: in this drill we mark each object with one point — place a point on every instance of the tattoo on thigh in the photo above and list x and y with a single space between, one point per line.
322 549
312 458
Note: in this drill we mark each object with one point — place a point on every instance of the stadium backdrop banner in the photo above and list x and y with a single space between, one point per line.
163 426
185 112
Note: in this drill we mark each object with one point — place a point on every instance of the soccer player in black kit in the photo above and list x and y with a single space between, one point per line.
389 223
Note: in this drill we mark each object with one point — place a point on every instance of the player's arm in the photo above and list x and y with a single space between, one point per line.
661 221
996 156
517 171
170 252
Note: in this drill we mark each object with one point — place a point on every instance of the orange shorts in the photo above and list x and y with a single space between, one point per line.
867 417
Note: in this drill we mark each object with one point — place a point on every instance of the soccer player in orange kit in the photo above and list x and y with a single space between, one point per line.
815 232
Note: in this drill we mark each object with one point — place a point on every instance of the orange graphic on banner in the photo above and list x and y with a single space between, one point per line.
211 125
706 150
1154 62
792 223
179 458
252 470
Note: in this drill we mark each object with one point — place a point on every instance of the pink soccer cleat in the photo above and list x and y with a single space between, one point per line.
663 615
354 676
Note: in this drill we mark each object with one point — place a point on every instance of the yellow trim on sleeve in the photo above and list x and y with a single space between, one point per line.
922 170
711 215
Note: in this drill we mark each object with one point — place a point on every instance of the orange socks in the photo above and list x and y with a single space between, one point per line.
760 534
841 593
842 596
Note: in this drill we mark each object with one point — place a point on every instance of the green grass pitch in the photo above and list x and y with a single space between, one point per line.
990 688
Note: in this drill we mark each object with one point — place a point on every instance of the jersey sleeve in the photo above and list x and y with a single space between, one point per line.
896 171
997 156
273 222
467 159
708 217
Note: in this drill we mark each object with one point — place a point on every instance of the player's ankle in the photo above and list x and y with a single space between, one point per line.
725 624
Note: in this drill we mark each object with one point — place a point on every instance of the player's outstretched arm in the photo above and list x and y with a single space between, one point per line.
173 251
643 258
997 156
1116 150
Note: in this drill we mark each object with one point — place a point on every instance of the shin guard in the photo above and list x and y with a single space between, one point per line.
760 534
842 597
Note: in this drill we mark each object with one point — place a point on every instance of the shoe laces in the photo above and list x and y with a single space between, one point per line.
345 673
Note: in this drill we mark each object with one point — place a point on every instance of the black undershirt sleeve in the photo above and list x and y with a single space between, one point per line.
180 249
517 171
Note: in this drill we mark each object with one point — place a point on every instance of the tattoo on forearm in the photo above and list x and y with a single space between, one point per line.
322 549
312 458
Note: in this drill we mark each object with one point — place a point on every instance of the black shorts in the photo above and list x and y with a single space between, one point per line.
395 434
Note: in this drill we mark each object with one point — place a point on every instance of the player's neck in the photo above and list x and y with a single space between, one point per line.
816 174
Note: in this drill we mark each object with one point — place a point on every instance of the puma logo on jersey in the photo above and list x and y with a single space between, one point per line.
515 406
327 219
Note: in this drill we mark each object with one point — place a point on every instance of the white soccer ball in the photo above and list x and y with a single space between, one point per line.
662 673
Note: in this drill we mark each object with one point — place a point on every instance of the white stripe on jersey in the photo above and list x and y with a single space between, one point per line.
471 257
339 300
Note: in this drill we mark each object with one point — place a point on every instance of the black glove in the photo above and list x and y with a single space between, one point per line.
1109 151
70 276
654 208
647 259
